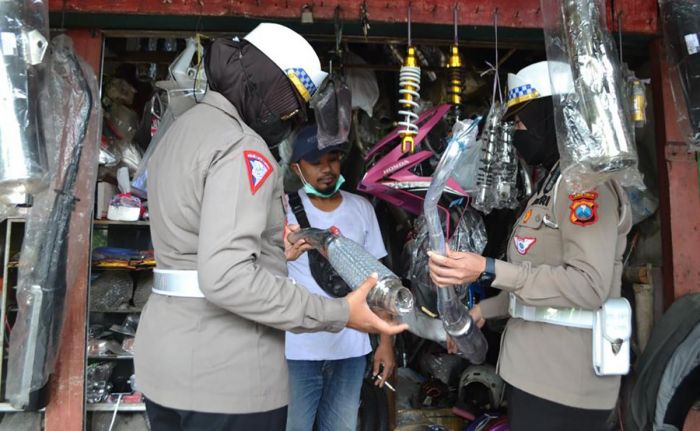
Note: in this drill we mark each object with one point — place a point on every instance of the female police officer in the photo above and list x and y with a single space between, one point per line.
565 252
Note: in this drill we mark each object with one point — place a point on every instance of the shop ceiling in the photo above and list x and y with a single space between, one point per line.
519 21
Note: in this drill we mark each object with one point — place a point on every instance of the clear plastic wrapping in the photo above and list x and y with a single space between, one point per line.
128 326
173 98
442 366
469 235
72 129
506 176
595 143
332 105
362 83
97 386
636 96
177 101
455 315
486 198
466 173
23 43
424 326
680 24
490 169
642 202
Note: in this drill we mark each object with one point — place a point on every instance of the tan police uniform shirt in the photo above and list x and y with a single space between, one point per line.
216 206
565 251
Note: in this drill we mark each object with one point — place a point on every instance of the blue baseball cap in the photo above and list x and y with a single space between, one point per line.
305 146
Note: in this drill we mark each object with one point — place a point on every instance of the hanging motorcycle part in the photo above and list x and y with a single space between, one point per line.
636 88
454 315
454 69
409 83
506 177
485 199
42 283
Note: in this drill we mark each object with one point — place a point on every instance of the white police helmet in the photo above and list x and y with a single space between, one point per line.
546 78
292 54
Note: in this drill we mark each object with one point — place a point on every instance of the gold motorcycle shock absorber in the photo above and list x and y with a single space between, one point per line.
454 69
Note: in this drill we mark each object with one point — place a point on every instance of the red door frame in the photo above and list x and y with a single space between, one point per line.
636 16
678 188
66 409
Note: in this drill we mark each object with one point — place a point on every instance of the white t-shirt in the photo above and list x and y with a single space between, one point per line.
356 220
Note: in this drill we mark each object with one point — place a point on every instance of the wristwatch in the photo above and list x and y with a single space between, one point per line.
489 274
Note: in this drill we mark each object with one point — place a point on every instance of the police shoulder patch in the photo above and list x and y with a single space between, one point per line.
259 169
523 243
583 208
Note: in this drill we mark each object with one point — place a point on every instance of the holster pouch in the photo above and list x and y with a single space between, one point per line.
612 329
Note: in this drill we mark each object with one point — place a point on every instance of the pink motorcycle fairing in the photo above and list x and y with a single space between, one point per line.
391 179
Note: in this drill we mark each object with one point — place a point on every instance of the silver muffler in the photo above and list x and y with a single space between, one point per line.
23 161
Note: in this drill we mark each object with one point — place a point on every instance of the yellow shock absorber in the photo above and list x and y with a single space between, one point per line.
409 83
454 69
454 66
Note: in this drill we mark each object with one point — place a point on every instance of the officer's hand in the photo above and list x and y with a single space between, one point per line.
476 315
362 318
452 346
458 267
292 251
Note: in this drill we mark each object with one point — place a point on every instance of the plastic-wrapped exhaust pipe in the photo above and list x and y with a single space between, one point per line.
354 264
455 315
593 132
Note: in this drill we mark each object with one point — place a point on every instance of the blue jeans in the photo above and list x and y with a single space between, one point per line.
327 391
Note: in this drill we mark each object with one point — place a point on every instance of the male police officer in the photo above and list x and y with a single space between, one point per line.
565 251
210 345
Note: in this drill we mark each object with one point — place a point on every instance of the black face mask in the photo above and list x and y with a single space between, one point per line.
531 147
260 91
538 144
272 129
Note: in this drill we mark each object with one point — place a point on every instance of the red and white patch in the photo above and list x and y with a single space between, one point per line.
523 243
259 169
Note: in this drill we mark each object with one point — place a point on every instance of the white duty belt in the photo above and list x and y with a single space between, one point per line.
611 326
174 282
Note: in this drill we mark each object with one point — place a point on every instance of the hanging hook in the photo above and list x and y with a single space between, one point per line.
364 18
409 25
496 78
338 18
338 23
455 19
337 53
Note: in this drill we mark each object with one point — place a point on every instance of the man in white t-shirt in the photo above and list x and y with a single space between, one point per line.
326 369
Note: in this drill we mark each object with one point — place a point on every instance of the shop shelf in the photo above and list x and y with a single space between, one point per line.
121 223
109 407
